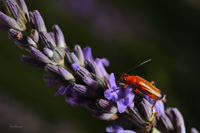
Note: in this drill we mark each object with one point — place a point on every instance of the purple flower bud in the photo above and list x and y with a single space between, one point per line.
85 76
47 40
34 35
84 91
39 22
91 83
16 37
87 53
68 60
31 61
74 58
52 36
81 71
59 71
39 55
123 97
136 116
176 119
95 68
20 40
32 18
48 52
117 129
106 106
71 100
63 90
23 7
10 22
146 109
30 42
71 58
193 130
52 81
59 37
101 63
71 96
13 8
65 74
103 115
164 124
79 54
142 114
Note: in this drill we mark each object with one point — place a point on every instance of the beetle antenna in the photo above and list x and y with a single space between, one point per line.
139 65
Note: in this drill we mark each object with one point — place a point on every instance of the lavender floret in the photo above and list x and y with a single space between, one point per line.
87 52
116 93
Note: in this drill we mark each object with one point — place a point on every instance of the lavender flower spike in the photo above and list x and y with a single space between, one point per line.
82 79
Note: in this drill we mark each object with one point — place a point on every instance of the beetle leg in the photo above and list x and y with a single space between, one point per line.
153 83
137 90
126 85
154 103
152 96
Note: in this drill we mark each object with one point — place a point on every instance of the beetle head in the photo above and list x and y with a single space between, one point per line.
123 78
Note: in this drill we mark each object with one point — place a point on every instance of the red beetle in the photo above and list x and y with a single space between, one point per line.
143 86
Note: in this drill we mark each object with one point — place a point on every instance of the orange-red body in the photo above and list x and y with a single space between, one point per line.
143 86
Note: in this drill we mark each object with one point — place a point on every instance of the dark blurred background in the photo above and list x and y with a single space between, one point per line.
126 33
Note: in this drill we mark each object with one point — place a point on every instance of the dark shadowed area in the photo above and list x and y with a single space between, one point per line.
126 33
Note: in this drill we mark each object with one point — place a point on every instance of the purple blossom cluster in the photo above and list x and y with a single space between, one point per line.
82 79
